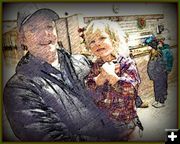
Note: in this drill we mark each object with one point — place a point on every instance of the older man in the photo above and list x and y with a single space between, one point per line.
45 100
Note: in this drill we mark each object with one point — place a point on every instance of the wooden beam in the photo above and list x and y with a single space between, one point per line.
124 18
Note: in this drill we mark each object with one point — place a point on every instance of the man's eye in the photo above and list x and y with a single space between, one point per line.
33 30
50 27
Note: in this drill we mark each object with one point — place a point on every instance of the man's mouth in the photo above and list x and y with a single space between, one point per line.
46 43
51 47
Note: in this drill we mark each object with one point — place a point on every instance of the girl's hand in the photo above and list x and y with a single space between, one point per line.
109 72
100 79
113 79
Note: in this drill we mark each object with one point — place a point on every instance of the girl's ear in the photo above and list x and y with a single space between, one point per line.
115 44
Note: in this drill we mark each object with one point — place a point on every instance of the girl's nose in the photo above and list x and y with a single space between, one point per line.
98 43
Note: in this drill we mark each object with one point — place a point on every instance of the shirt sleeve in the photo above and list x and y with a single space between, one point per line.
129 72
89 80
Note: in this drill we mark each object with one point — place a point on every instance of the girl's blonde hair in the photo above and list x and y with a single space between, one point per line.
116 34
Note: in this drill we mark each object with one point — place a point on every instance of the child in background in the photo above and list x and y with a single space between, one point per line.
159 66
113 78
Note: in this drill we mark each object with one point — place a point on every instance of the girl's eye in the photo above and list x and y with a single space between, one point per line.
102 38
92 42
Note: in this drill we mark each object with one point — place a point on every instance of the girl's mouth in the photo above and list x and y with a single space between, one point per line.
100 49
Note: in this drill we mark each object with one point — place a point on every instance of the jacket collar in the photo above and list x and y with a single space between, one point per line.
31 64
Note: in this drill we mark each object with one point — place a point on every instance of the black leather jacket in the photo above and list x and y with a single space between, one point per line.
46 104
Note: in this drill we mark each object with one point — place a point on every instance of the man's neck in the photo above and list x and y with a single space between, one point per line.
56 62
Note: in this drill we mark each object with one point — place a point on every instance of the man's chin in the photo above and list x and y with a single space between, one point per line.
53 47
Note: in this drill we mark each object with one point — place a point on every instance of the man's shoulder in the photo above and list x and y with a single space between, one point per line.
80 58
17 79
76 58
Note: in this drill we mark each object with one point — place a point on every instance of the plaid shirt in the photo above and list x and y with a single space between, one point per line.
119 99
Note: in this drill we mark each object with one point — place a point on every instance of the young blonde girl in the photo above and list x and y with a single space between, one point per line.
113 78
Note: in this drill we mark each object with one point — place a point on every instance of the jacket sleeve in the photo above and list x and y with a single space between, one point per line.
81 65
30 118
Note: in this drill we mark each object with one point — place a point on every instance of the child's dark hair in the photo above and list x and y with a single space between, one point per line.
153 44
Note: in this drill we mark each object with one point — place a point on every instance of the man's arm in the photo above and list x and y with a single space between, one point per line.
30 118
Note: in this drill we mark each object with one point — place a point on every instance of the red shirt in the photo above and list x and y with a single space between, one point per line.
118 100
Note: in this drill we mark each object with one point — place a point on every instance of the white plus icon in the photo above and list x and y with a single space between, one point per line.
172 136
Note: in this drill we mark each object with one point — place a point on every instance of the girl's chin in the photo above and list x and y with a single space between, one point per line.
103 55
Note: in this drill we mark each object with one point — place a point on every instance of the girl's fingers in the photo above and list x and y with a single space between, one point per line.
117 68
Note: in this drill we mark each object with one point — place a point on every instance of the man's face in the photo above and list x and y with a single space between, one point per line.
41 38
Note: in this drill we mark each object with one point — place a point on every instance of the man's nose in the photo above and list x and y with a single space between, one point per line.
51 36
48 33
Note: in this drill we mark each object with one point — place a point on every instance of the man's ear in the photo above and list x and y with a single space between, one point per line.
24 47
22 40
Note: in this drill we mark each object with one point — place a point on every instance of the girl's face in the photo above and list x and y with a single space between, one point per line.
100 44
